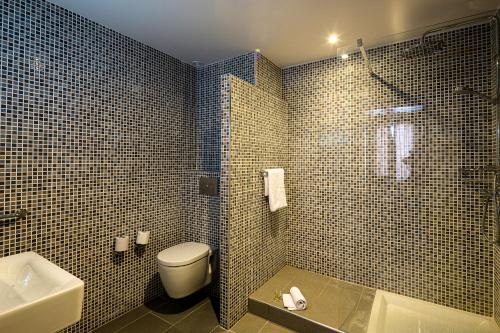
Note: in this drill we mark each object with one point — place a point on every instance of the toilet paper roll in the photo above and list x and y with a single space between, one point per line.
121 243
142 237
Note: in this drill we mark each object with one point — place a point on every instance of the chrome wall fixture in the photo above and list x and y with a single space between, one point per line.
469 91
17 215
365 56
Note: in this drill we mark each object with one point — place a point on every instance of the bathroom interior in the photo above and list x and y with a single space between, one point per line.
249 166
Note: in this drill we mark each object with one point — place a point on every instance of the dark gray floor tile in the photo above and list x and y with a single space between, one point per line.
123 320
148 323
202 320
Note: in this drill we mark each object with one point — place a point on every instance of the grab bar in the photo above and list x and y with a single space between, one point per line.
17 215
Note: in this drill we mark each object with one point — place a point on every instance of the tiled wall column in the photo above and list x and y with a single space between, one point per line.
254 137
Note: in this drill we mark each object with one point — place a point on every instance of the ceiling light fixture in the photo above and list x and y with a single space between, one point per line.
332 39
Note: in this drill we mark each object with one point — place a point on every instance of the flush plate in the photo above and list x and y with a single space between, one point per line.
209 186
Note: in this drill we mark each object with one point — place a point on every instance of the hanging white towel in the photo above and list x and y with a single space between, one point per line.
276 187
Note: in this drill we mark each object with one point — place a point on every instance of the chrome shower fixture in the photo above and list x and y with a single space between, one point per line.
424 48
365 56
428 47
469 91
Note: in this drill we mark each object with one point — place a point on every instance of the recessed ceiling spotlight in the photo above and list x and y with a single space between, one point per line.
257 50
344 56
332 39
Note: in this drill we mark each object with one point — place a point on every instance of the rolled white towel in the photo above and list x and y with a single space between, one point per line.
295 300
298 299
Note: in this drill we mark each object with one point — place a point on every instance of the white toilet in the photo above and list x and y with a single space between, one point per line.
185 268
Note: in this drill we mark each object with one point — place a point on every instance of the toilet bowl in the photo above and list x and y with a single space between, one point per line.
185 268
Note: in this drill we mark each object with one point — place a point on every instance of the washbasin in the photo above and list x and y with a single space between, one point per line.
36 295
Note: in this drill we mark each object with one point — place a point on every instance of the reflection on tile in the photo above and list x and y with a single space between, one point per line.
202 320
147 323
273 328
358 321
124 320
249 323
218 329
173 310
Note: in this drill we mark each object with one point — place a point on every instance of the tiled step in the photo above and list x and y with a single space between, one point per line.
333 305
287 318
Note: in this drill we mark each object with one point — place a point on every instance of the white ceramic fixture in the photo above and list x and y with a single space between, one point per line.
36 295
185 268
393 313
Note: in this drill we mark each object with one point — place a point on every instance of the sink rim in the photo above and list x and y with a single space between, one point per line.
71 284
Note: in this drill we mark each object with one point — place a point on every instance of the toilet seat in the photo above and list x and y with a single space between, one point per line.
183 254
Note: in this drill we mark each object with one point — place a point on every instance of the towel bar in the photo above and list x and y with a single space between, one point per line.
263 173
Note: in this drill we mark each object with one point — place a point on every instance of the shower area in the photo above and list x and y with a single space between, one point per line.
391 163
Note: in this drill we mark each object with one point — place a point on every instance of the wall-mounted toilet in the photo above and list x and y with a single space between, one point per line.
186 268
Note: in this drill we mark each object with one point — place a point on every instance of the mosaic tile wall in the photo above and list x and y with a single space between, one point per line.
377 195
96 135
202 211
208 109
268 76
495 42
254 137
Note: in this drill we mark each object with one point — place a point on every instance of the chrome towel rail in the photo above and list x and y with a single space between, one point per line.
17 215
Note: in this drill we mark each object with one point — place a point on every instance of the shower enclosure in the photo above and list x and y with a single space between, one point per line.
391 159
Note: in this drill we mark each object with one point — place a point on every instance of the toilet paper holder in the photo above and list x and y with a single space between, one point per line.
142 237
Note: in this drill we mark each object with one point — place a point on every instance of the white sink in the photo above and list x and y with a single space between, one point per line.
393 313
36 295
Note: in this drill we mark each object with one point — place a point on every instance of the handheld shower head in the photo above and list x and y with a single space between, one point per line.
462 90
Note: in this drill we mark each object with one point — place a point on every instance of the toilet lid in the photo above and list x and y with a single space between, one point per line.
183 254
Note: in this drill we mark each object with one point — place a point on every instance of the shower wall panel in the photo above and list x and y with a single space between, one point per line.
377 193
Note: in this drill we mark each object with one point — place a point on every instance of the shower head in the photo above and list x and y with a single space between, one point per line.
468 91
424 48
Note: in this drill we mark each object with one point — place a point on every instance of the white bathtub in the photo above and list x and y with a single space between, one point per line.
392 313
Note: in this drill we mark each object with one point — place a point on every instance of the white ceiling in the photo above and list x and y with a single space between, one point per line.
287 31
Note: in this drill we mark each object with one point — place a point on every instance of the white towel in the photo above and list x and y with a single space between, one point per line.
276 188
295 300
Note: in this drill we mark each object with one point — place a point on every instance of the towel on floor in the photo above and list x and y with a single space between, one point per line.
295 300
276 188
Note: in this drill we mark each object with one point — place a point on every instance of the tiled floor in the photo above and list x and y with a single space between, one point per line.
194 314
331 302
